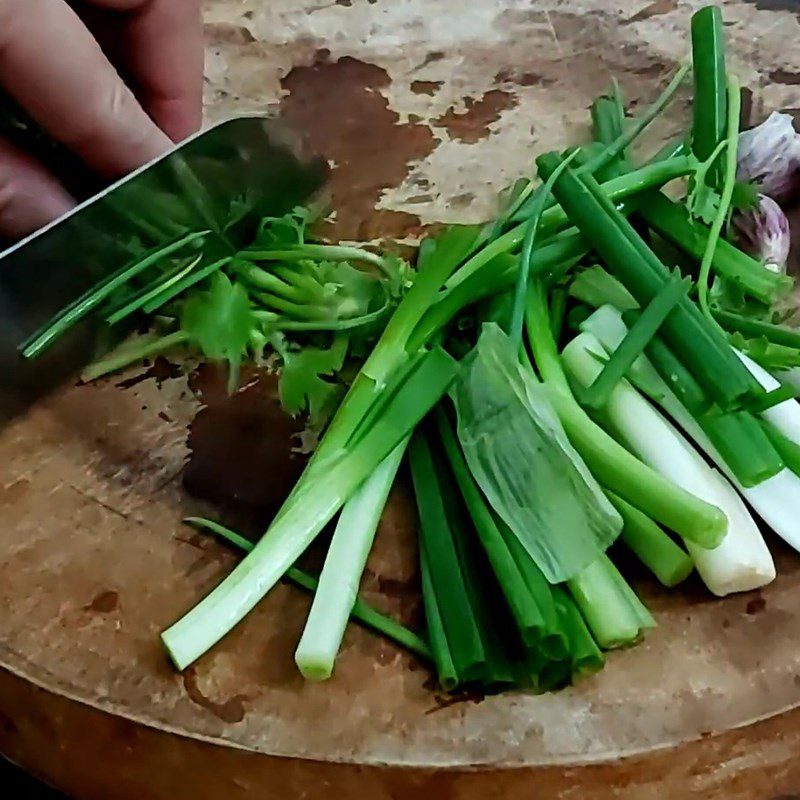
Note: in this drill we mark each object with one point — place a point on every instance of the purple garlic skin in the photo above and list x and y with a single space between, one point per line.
765 234
769 156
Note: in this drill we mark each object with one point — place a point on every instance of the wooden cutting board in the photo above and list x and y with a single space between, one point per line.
425 111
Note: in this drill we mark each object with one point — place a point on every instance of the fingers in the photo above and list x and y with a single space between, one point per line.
53 67
162 49
29 196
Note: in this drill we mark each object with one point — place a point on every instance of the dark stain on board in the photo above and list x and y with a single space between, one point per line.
230 711
242 448
160 371
472 124
348 121
104 602
507 76
785 77
776 5
755 605
426 87
223 33
654 9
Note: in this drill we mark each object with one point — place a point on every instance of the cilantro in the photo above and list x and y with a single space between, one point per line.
219 322
302 386
289 229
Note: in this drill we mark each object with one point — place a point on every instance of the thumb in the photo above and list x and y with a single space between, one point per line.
29 196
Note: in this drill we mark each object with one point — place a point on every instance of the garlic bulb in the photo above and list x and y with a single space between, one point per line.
765 233
769 156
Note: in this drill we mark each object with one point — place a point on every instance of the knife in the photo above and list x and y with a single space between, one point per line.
224 179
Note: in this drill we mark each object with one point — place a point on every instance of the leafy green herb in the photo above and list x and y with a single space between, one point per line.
303 385
219 321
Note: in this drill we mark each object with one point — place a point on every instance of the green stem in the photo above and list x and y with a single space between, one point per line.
329 252
87 302
737 323
129 353
613 612
539 198
654 548
709 106
171 292
555 218
734 111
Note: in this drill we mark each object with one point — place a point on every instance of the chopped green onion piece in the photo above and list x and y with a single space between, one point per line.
669 562
613 612
788 450
743 445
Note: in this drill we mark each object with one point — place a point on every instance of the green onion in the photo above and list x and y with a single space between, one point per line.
540 196
453 601
654 548
778 334
310 506
361 611
788 450
743 445
586 658
449 678
734 109
671 221
614 466
528 594
710 101
595 287
613 612
341 573
699 344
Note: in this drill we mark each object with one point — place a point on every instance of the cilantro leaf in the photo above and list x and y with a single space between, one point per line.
219 321
301 385
289 229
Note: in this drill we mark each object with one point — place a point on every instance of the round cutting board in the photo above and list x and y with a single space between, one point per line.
425 111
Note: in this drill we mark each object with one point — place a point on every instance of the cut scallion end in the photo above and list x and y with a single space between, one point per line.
653 547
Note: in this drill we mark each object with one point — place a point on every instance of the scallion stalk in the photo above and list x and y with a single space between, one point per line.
341 572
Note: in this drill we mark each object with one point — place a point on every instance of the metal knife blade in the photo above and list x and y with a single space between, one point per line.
250 164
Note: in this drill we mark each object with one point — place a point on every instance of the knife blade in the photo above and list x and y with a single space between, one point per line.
224 179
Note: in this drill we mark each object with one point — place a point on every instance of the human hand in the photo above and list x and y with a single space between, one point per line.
63 62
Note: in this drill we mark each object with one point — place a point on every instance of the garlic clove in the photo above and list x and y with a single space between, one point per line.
769 156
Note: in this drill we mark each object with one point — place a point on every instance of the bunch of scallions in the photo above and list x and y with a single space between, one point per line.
601 362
